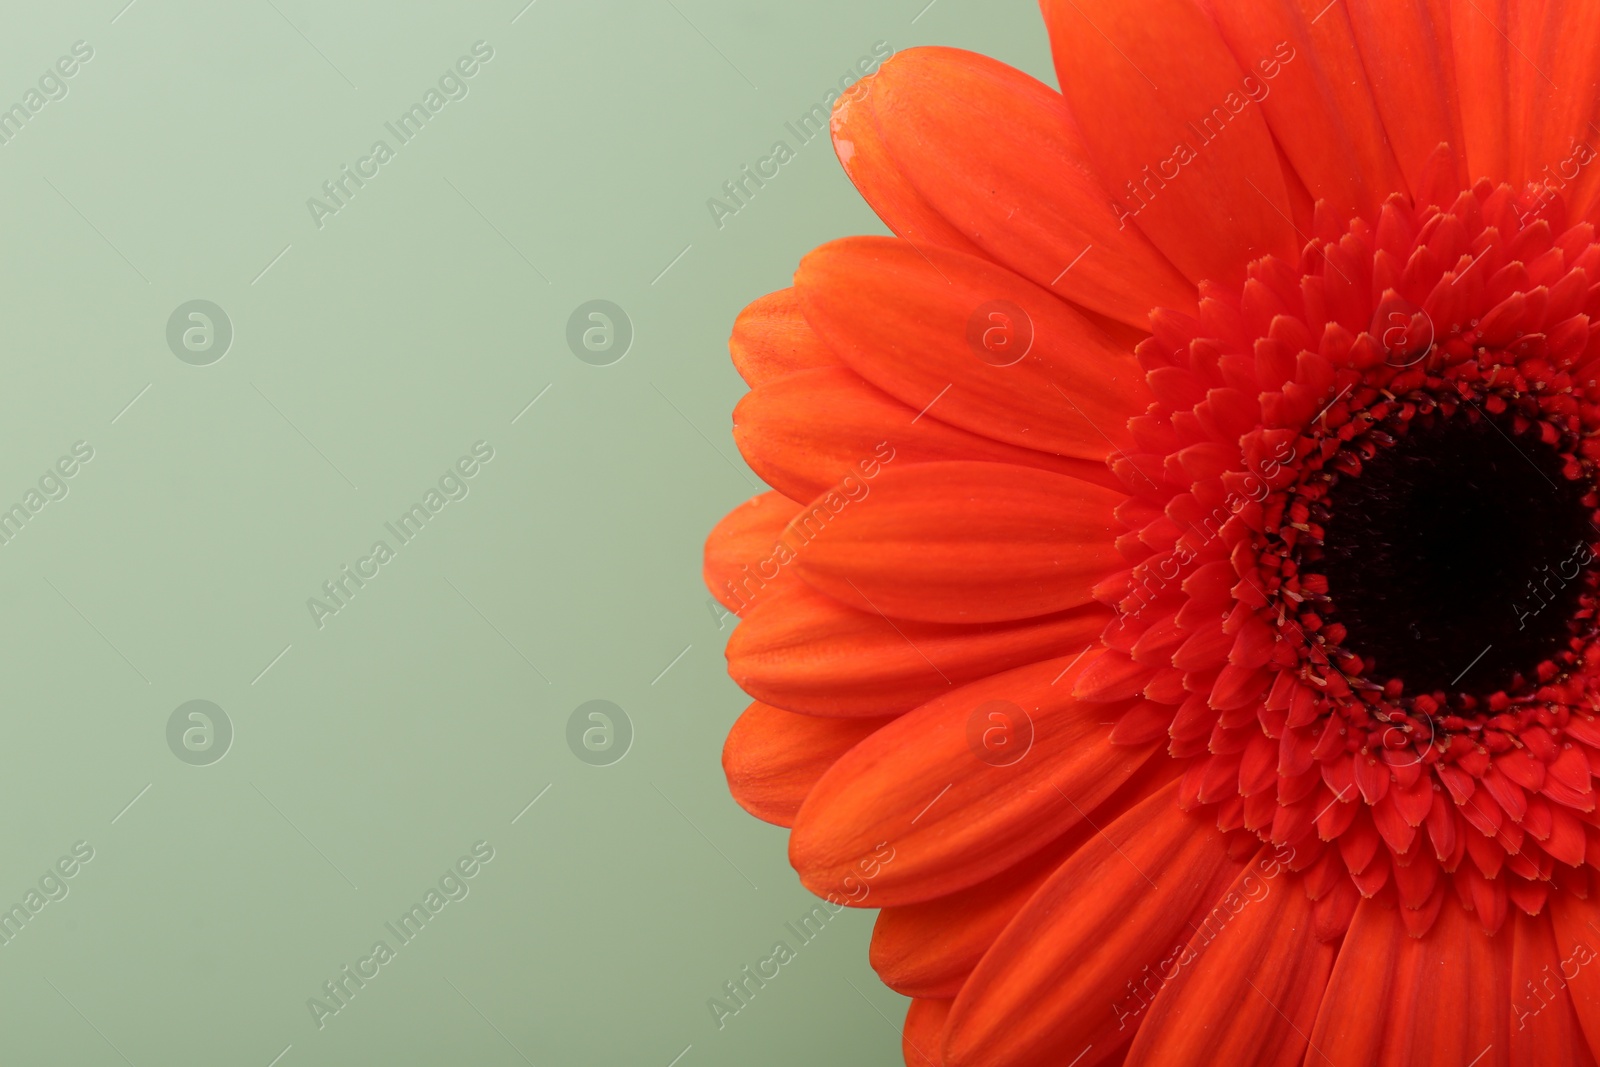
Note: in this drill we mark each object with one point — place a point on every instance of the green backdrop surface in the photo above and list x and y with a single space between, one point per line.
401 332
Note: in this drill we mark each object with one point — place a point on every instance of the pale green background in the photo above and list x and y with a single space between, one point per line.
365 361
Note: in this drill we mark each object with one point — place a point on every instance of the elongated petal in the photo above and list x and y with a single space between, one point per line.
1487 104
1060 980
1308 80
739 566
1394 999
878 178
1544 1024
772 758
1555 87
960 542
985 349
1189 158
810 431
1250 995
807 652
771 340
999 154
929 949
931 784
919 1041
1412 70
1574 922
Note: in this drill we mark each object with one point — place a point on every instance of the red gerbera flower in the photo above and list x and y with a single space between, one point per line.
1176 607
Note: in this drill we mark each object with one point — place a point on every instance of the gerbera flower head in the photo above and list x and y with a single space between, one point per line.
1181 563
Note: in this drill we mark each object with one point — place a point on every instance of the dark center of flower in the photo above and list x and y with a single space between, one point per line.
1456 558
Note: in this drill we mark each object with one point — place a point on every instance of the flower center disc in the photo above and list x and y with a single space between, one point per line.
1364 546
1456 558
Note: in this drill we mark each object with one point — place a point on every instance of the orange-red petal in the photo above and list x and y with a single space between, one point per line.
929 948
772 757
998 154
805 651
877 177
1555 82
932 785
739 568
1059 982
976 345
1308 80
960 542
1412 69
771 340
1487 104
1250 995
1544 1025
1395 999
810 431
1143 81
919 1041
1574 921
